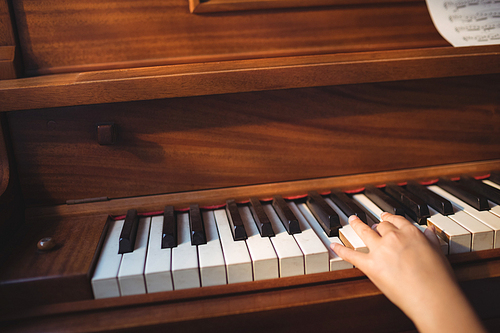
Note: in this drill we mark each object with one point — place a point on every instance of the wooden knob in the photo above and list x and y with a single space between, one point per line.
46 244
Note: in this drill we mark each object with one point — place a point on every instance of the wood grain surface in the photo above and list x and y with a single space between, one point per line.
30 277
211 6
63 36
111 86
185 144
9 51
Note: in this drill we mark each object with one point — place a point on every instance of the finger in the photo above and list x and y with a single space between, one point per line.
430 233
398 220
349 255
369 236
385 227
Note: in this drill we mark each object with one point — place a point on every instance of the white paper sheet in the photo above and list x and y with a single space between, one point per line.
467 22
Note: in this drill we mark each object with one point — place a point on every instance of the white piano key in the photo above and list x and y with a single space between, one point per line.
494 208
458 238
105 282
351 239
480 225
315 253
157 271
131 273
237 258
347 234
212 266
264 258
492 184
335 262
364 201
185 271
290 257
487 217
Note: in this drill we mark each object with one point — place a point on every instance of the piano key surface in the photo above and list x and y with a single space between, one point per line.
104 282
336 263
315 253
237 258
290 257
185 267
264 258
158 269
225 260
483 234
131 273
211 258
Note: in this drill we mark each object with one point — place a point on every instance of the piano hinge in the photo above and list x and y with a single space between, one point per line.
88 200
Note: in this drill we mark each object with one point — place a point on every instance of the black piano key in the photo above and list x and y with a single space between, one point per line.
493 194
129 232
434 200
416 208
495 177
235 221
324 213
347 205
286 215
385 202
196 226
260 218
169 233
465 194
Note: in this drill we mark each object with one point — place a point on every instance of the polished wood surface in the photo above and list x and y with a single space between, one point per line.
217 197
207 107
31 277
211 6
178 145
129 34
111 86
9 52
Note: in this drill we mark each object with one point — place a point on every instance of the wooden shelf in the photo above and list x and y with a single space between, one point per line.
146 83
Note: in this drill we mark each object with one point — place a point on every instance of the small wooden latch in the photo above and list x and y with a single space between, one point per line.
106 133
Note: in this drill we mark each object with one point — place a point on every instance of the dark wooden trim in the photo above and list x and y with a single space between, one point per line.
214 6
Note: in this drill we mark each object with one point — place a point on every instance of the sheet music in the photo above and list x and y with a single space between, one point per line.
467 22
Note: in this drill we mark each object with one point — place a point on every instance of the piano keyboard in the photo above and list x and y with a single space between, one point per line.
268 240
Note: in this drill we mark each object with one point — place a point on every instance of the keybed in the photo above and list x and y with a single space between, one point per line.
297 241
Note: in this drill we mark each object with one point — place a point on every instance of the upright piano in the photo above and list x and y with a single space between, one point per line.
110 106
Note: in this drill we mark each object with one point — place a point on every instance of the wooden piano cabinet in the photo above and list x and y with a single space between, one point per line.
10 62
218 141
207 149
213 106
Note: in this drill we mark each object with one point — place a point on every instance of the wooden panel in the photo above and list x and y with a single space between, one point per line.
217 197
11 202
31 277
185 144
6 32
128 34
211 6
244 75
9 62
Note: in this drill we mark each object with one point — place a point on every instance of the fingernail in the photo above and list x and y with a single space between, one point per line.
383 214
352 218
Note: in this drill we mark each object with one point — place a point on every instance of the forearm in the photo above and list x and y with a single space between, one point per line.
450 311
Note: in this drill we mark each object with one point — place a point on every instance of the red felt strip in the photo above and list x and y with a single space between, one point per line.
357 190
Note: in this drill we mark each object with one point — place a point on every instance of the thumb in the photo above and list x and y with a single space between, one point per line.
347 254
